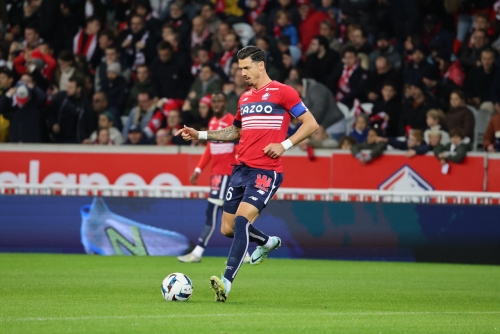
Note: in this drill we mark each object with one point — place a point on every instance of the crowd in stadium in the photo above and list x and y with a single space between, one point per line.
413 74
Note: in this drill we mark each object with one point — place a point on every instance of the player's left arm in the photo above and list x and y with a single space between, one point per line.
309 125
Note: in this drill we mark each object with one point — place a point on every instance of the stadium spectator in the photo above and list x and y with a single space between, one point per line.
65 70
414 145
450 69
111 55
358 40
174 123
100 105
211 19
459 116
142 114
284 27
479 80
271 57
6 80
106 120
163 137
347 142
348 80
376 149
414 69
143 8
137 43
386 50
169 74
434 139
310 21
491 141
103 137
207 82
23 106
470 55
135 136
386 110
180 20
414 112
201 36
85 40
361 128
320 59
455 151
142 84
320 102
383 73
435 122
327 29
90 8
231 46
115 89
319 139
70 114
290 8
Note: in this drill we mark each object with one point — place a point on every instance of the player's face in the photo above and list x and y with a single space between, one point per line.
250 70
218 104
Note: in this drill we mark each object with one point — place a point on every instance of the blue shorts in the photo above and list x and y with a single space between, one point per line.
218 187
251 185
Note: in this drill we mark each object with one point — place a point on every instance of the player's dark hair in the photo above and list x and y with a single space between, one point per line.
219 92
255 53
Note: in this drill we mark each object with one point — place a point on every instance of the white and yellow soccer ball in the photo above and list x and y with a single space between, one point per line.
177 287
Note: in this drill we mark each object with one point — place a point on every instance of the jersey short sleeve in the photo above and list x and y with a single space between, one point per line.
290 99
237 117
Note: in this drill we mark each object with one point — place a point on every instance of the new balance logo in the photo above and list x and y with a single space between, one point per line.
263 182
253 198
261 192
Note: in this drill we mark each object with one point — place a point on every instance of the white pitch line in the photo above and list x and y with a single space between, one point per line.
236 315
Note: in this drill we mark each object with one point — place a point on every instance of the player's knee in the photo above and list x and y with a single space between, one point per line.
227 230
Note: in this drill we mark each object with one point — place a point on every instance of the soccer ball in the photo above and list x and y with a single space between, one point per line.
177 287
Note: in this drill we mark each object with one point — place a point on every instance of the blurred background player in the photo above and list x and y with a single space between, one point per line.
261 124
223 157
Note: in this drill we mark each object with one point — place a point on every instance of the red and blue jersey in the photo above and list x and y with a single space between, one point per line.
264 116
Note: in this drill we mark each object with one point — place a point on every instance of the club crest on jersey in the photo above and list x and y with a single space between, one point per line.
263 182
265 96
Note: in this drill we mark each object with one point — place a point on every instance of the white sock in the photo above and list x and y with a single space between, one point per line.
228 286
270 243
198 251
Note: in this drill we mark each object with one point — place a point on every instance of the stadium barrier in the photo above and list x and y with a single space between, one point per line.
155 166
416 230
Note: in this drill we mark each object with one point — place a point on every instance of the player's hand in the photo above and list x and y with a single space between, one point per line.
194 178
274 150
187 133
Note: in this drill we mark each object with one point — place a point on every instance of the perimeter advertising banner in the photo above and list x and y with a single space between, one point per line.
72 164
324 230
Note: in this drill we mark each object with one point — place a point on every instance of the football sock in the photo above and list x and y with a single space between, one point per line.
257 235
198 251
238 248
210 224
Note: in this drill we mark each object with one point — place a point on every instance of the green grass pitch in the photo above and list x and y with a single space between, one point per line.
93 294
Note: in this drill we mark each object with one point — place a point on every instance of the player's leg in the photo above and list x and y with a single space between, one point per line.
218 188
245 213
212 212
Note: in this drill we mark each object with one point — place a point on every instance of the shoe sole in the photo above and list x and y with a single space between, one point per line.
218 287
189 261
265 257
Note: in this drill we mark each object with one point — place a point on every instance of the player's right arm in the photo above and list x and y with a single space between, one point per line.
231 133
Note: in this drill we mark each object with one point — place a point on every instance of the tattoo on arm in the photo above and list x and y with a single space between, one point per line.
230 133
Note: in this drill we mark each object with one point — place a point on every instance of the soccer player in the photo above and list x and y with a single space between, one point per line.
261 125
223 157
